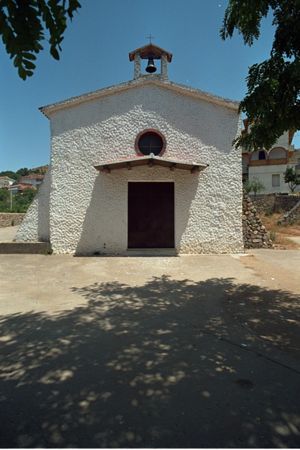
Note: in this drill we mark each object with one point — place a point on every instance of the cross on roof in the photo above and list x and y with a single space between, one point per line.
150 37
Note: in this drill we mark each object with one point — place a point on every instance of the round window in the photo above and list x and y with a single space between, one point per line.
150 142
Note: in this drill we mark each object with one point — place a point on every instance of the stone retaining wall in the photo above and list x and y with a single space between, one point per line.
271 203
9 219
254 233
291 216
285 203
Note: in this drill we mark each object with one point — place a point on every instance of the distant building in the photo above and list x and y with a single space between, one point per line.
6 182
20 187
269 167
33 179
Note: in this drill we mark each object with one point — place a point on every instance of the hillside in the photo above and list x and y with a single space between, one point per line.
24 171
18 196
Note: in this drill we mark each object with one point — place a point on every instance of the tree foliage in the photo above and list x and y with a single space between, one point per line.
291 178
15 175
20 201
8 173
4 198
272 103
25 24
22 172
254 186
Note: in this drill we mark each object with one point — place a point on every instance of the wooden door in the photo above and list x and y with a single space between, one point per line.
150 215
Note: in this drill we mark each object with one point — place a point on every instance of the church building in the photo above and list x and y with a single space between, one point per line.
143 166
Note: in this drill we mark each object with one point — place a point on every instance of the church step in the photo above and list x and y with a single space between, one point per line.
151 252
42 248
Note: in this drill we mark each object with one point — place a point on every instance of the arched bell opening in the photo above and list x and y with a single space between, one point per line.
145 61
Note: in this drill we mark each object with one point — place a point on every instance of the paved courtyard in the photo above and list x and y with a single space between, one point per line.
195 351
7 234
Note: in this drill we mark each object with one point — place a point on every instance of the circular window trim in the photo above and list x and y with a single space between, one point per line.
154 131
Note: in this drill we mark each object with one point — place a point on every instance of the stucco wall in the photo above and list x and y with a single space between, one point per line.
264 175
88 210
35 225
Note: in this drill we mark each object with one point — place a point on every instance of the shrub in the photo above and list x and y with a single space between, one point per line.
254 186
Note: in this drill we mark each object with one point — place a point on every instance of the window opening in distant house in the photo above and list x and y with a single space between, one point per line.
261 155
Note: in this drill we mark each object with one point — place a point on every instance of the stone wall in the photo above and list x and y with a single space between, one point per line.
291 216
263 203
284 203
9 219
254 233
271 203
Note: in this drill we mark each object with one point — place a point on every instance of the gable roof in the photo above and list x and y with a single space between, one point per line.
156 52
147 80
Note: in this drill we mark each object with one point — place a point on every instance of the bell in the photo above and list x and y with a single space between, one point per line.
151 66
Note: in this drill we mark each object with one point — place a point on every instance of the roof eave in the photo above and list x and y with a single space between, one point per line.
47 110
150 160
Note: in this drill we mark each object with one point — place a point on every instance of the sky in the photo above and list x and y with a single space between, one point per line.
95 55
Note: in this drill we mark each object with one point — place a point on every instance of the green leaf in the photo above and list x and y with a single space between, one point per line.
54 53
22 73
28 64
29 56
24 24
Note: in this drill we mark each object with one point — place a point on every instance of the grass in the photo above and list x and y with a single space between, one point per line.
279 233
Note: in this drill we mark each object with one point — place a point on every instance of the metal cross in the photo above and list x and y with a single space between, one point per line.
150 37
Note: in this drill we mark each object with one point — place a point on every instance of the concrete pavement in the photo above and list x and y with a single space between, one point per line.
7 234
150 352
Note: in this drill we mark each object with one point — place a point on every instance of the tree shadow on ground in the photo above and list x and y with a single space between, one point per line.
157 365
273 316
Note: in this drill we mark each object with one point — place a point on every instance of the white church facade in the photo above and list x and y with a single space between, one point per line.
146 164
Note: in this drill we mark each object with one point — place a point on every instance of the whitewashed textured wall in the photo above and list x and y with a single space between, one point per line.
35 225
88 211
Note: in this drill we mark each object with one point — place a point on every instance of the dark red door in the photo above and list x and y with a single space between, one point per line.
150 215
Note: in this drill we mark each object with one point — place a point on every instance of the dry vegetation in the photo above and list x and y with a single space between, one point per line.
280 233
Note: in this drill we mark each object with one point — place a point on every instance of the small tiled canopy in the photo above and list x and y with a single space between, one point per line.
150 160
155 51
